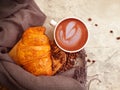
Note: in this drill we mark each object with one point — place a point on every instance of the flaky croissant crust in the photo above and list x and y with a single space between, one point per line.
33 52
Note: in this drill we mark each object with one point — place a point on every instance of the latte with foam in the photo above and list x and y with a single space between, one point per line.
71 34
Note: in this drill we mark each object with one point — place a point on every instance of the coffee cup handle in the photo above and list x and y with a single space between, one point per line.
53 22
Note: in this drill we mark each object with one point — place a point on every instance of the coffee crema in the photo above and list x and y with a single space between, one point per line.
71 34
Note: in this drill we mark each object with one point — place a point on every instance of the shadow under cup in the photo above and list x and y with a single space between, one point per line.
70 35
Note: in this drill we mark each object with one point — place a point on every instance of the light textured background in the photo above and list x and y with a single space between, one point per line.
102 45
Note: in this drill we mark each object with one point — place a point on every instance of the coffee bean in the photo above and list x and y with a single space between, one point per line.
89 19
118 38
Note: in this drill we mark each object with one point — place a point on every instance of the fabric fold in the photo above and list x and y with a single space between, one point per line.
15 17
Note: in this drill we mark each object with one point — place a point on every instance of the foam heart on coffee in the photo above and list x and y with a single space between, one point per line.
71 34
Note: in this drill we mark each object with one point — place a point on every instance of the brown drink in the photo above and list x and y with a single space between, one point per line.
71 35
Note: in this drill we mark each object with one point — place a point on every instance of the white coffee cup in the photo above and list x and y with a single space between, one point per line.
70 34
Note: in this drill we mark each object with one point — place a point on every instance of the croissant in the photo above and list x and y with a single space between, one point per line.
33 53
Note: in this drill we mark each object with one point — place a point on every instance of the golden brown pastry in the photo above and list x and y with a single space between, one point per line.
33 53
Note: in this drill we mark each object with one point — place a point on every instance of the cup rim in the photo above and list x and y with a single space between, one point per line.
71 51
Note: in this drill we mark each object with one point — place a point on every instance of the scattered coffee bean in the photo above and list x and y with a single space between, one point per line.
118 38
96 25
89 19
71 58
93 61
111 31
88 60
